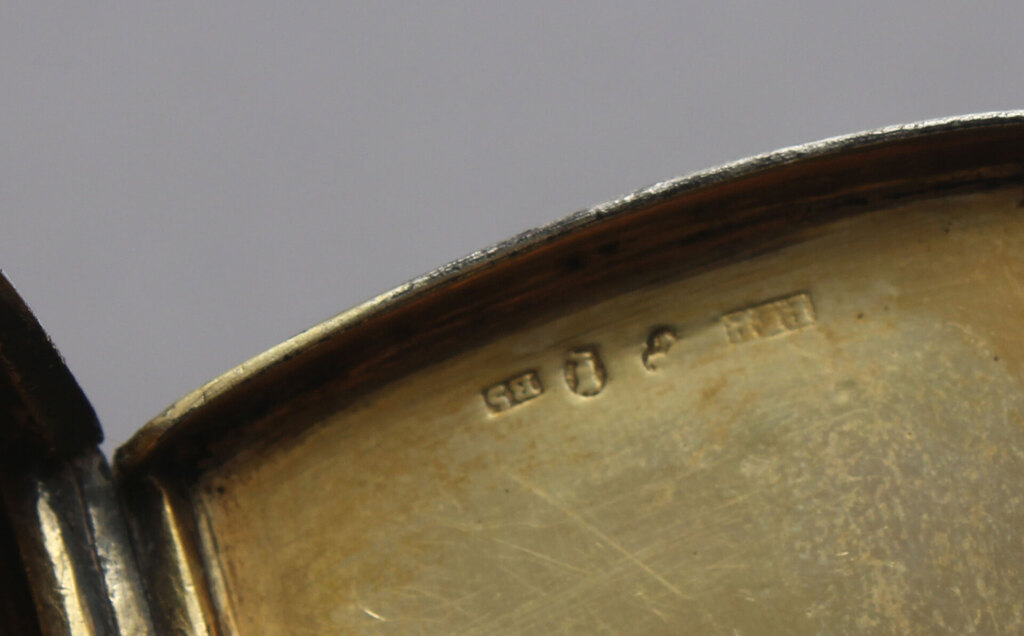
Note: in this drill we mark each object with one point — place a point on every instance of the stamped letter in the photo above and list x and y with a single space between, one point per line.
512 392
658 344
525 387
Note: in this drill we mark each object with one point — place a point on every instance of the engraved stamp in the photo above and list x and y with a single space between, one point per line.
584 372
658 345
769 319
513 392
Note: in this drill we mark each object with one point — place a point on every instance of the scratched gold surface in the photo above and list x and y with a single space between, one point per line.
859 473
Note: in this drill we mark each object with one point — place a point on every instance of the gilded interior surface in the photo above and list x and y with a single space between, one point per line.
822 439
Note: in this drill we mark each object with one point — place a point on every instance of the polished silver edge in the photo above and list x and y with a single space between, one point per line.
699 179
147 438
81 568
112 547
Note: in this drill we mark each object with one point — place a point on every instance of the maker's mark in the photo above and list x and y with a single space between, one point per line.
513 392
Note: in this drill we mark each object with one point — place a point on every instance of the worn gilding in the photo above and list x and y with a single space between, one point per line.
780 397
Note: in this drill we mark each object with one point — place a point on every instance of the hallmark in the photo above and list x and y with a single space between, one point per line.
584 372
657 346
513 392
769 319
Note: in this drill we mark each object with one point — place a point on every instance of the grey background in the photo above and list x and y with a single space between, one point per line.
185 184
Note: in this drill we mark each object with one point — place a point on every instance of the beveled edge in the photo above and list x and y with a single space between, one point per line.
179 414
